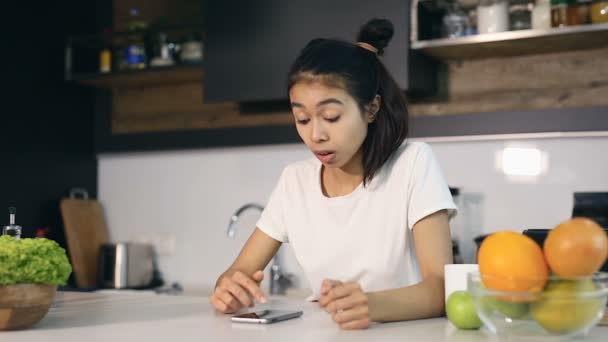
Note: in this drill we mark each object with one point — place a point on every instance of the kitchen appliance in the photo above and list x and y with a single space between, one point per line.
593 205
127 265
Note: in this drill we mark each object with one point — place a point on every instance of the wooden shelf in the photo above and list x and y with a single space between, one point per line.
145 77
516 43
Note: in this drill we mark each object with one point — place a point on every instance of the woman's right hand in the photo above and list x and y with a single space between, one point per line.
237 290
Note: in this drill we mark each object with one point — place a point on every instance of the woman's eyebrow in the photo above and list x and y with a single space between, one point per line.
328 101
321 103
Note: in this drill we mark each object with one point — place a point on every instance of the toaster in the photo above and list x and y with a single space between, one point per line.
127 265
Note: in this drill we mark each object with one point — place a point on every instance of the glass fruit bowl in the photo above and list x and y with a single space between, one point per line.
567 307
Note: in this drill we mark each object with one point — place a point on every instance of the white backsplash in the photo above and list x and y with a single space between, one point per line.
187 197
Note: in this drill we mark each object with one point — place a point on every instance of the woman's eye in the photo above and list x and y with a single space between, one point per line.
334 119
303 121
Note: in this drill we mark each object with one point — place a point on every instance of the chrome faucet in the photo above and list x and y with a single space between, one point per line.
279 281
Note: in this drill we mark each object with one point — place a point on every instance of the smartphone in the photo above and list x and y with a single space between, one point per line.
266 316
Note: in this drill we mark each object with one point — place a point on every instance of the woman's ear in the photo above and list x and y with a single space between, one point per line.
372 109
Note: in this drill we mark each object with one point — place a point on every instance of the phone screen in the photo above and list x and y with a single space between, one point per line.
266 316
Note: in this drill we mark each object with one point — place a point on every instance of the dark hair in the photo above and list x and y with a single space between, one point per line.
362 74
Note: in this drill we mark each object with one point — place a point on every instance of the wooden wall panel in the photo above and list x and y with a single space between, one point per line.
180 107
568 79
581 69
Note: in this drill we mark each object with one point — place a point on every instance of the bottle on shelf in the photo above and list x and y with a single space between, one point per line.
558 13
161 52
564 13
584 12
455 22
135 51
105 54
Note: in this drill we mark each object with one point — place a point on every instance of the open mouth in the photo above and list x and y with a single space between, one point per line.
325 156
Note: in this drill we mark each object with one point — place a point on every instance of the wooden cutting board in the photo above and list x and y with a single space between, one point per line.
86 231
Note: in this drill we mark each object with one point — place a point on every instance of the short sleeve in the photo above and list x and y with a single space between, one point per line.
428 191
272 221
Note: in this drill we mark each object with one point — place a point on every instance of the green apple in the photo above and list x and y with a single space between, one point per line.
512 310
461 311
562 311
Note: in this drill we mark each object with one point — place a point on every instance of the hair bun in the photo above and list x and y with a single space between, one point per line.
377 32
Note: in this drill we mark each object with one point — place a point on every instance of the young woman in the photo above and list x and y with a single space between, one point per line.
368 216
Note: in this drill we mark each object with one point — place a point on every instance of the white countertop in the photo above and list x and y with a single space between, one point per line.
149 318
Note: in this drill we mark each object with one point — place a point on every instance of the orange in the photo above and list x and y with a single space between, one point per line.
576 247
512 262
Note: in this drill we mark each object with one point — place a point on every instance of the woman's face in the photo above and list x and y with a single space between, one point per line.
329 122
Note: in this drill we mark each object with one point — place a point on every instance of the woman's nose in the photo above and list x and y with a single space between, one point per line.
318 131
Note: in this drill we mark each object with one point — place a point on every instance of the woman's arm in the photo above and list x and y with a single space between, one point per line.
239 285
425 299
353 309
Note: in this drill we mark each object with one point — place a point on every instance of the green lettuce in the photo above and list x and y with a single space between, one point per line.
36 260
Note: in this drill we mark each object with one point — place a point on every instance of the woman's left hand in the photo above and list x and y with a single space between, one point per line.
346 302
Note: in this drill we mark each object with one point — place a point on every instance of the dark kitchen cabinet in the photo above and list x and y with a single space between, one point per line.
47 125
250 45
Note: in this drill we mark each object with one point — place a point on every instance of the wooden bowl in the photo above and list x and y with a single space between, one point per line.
23 305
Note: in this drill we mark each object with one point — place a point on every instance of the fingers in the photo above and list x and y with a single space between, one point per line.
328 284
236 292
258 276
239 293
357 324
346 303
223 303
357 313
339 291
250 285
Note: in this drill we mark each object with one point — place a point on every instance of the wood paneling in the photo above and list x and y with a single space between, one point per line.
180 107
149 77
581 69
567 79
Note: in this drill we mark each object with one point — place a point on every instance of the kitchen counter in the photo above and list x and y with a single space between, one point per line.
148 317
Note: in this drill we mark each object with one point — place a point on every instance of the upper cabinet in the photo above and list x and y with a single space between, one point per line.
248 50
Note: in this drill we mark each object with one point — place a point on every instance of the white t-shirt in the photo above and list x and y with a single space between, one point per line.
365 236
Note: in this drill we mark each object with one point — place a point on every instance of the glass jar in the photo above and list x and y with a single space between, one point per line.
584 12
558 13
492 16
472 14
541 15
564 13
455 22
599 12
520 17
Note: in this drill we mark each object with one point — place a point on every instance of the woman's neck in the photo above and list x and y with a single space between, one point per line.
343 180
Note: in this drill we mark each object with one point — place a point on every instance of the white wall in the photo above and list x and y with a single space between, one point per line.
190 195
